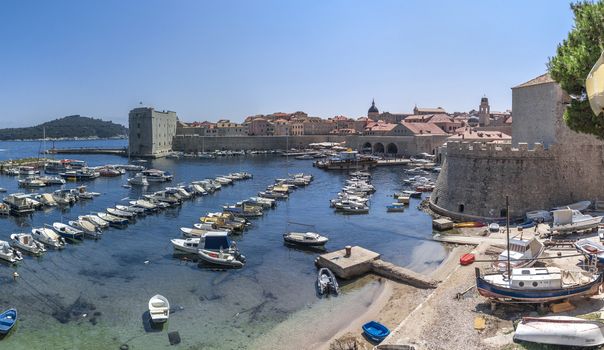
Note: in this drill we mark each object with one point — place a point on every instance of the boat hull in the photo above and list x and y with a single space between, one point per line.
492 291
560 330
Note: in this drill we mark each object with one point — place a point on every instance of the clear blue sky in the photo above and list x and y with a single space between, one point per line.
215 59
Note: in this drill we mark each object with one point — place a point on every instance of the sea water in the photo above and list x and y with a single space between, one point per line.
94 294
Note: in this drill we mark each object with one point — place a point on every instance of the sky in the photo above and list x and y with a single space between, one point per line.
209 60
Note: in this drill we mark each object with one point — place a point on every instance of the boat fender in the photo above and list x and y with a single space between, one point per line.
16 275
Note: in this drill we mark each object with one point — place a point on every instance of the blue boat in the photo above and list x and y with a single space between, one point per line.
527 224
375 331
536 285
7 320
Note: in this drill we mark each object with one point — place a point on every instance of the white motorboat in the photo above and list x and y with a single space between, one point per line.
138 180
113 220
52 180
524 252
19 204
355 209
155 175
31 182
264 202
159 309
133 209
87 227
95 220
145 204
9 254
571 220
308 239
26 242
221 258
47 200
187 245
560 330
580 206
194 232
539 216
48 237
121 213
327 282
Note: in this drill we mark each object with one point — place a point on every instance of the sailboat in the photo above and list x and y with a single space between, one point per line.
536 285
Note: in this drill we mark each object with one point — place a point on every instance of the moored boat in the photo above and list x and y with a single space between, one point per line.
395 207
187 245
159 308
7 320
9 254
67 231
48 237
113 220
95 220
308 239
25 242
87 227
327 282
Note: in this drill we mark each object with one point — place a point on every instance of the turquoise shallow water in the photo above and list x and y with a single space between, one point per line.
93 295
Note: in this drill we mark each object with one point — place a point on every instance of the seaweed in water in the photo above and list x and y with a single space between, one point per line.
74 311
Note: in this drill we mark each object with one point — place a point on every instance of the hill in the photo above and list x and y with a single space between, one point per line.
67 127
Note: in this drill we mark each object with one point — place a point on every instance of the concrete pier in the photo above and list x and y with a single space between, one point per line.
115 151
362 261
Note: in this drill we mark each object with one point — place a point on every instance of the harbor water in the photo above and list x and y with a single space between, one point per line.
94 294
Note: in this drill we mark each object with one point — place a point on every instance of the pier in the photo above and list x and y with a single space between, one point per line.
84 150
355 261
393 162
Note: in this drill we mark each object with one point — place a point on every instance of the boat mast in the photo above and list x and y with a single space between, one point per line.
507 229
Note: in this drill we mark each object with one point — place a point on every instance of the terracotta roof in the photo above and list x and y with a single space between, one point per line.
471 134
340 117
432 118
423 128
381 127
542 79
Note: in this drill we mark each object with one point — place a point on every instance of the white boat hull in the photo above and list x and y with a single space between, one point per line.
560 330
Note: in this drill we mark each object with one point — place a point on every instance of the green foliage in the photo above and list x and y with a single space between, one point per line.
66 127
574 58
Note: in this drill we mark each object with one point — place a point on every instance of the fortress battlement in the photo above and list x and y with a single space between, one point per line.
459 149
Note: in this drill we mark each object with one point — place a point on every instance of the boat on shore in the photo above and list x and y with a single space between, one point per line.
375 331
327 282
571 220
560 330
524 252
469 224
538 285
159 308
591 250
7 320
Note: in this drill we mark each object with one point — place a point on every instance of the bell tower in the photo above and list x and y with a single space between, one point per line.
484 111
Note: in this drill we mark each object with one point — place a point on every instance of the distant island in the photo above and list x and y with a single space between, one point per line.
69 127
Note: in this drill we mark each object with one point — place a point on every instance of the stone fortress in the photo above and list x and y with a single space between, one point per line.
151 132
547 164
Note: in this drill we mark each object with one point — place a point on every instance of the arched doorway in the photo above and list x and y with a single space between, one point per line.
378 148
366 148
392 149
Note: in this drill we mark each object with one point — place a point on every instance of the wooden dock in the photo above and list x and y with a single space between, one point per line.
392 162
362 261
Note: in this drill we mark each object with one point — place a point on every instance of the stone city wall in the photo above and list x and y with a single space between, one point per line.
476 178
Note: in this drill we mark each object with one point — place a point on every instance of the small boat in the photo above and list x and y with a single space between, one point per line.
412 194
7 320
194 232
327 282
187 245
538 285
4 209
52 180
67 231
19 204
138 180
95 220
524 253
469 224
395 207
155 175
88 228
272 195
375 331
571 220
308 239
591 249
48 237
9 254
121 213
159 308
113 220
219 250
27 243
580 206
560 330
133 209
527 224
539 216
493 227
403 199
31 182
145 204
222 258
355 209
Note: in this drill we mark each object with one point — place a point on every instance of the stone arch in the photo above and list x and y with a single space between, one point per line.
378 147
392 149
366 148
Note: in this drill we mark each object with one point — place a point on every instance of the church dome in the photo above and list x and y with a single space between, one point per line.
373 108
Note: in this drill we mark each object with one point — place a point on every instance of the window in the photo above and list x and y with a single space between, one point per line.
534 284
461 208
521 284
